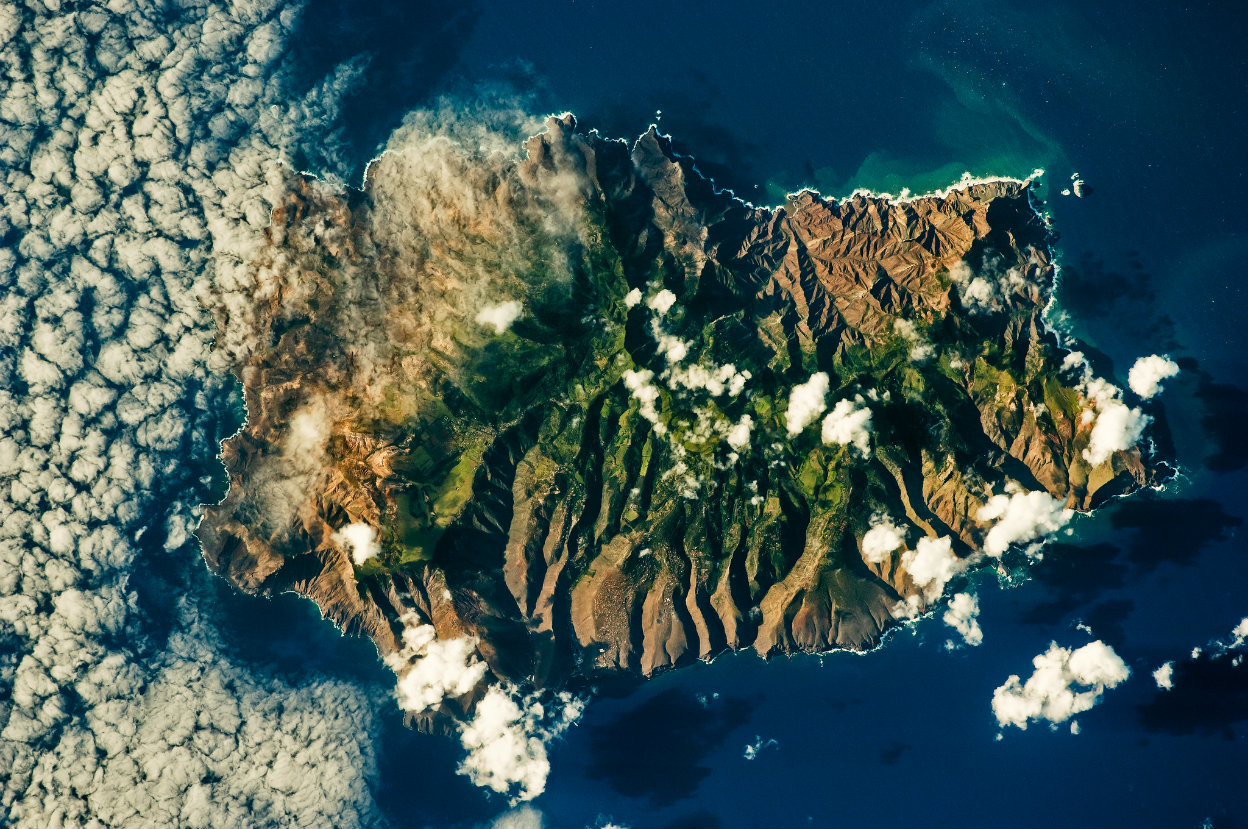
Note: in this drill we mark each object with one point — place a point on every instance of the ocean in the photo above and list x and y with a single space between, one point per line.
1146 102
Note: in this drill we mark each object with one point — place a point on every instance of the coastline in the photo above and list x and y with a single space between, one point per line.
879 639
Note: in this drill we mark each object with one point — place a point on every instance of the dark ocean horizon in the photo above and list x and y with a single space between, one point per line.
1148 105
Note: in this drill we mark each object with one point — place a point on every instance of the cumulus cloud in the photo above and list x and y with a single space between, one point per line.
641 385
1221 647
181 736
882 539
758 746
716 380
806 402
501 316
1230 647
673 348
430 669
1239 634
632 298
848 424
1146 375
1064 683
1021 517
1116 426
138 148
1117 429
507 737
963 616
662 302
989 289
931 564
920 349
739 435
1074 361
309 431
360 539
519 817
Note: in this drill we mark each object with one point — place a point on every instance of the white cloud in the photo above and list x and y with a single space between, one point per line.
848 424
1064 683
632 298
979 293
507 736
739 435
1021 517
501 316
905 329
1239 634
309 430
990 289
881 539
963 616
1116 427
1164 676
931 564
672 348
1074 360
755 748
1220 647
520 817
1146 375
909 608
716 381
662 302
360 539
183 737
430 669
134 168
641 385
920 350
806 402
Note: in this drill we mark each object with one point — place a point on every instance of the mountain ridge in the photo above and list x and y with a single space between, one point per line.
612 481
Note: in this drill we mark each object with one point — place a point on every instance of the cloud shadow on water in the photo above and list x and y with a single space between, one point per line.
721 151
1077 576
1126 297
1210 696
1223 420
892 753
1107 620
411 48
1174 530
1224 406
701 819
659 749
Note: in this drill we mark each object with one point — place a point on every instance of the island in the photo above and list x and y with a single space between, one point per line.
583 413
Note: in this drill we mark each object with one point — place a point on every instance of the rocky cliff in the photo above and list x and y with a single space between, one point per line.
598 416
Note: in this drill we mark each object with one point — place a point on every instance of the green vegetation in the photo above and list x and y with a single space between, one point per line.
677 480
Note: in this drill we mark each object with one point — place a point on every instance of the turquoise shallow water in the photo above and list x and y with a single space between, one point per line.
1147 103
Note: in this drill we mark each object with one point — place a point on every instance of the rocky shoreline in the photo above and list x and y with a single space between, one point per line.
612 481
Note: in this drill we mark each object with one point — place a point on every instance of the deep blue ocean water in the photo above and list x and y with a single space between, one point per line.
1148 103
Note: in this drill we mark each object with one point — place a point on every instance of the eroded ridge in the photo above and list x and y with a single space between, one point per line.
587 413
